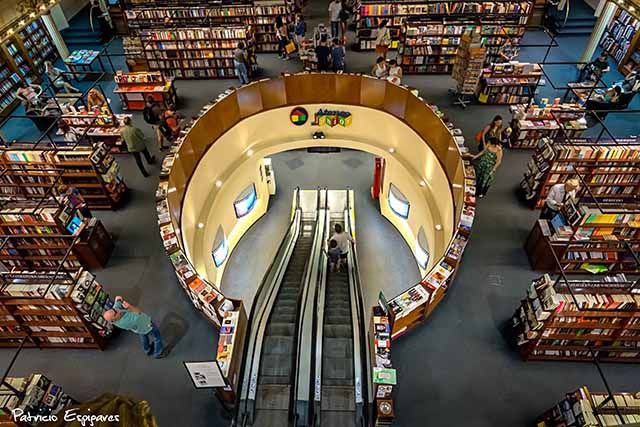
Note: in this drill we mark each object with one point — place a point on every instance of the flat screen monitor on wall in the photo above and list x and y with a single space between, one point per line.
220 249
246 201
398 202
422 249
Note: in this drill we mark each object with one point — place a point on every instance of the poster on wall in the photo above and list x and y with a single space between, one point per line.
206 374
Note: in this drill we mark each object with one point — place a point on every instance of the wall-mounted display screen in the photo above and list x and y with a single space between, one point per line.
398 202
246 201
220 248
74 225
422 249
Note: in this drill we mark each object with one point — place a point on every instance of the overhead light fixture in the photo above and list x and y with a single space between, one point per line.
438 227
10 31
218 183
43 7
22 22
318 135
32 15
422 183
392 150
632 9
250 153
200 225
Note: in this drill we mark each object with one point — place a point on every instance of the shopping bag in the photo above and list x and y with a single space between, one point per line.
290 47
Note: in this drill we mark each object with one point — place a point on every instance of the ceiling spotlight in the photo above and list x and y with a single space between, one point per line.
422 183
21 22
250 153
438 227
200 225
218 183
392 150
32 15
631 8
10 31
43 7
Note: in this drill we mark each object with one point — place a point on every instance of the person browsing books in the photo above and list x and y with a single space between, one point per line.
75 199
558 195
492 130
383 39
380 69
342 238
127 316
152 115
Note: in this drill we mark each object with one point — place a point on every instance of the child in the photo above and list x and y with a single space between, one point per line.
337 56
334 255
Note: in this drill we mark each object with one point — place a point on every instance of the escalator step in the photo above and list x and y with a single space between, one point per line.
340 370
283 317
277 345
337 320
272 396
336 311
337 348
276 365
338 398
280 329
337 331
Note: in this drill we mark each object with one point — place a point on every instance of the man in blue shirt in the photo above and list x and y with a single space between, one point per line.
128 316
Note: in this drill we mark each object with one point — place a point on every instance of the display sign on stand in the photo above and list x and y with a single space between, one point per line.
205 374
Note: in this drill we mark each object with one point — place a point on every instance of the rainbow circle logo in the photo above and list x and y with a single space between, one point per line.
299 116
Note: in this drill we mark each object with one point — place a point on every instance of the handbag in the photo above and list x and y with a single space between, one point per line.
290 47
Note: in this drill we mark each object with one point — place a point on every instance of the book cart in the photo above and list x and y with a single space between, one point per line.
33 394
621 38
135 88
467 69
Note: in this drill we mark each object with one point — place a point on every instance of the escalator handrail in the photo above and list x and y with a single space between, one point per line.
310 286
297 216
360 314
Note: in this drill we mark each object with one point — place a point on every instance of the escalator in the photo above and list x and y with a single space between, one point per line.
275 379
273 340
341 360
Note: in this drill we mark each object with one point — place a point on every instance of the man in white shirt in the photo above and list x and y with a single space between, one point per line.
558 196
342 238
334 16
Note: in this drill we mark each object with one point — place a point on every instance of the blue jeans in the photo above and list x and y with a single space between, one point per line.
241 72
156 341
335 25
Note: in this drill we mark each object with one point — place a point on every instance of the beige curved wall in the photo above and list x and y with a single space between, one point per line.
270 132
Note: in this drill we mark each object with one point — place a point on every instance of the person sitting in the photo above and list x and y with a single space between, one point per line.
508 51
95 100
610 96
395 72
68 133
380 69
596 69
631 82
28 93
57 78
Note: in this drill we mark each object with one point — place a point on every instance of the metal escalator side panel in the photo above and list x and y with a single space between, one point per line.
319 309
304 345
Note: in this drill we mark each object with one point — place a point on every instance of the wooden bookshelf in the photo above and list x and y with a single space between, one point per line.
597 242
193 53
35 394
94 172
9 83
16 53
562 320
384 378
610 168
509 83
621 39
61 309
468 65
531 124
134 89
38 44
584 408
98 126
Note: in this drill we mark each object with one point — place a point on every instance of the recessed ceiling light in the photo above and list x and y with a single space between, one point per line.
438 227
422 183
250 153
200 225
392 150
218 183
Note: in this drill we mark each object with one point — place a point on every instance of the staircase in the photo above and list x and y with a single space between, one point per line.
580 22
79 34
338 399
275 380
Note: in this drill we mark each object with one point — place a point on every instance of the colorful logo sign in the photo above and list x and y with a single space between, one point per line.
298 116
332 118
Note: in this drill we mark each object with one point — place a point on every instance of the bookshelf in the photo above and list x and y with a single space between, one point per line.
35 394
509 83
384 375
584 408
18 57
61 309
193 53
416 304
610 168
621 39
9 83
94 172
135 58
134 88
585 239
566 320
532 123
38 44
98 126
230 350
468 65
